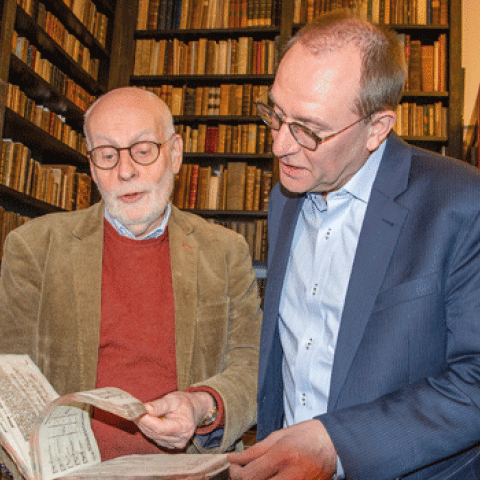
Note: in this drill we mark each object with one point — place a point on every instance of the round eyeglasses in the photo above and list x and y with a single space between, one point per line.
305 137
144 153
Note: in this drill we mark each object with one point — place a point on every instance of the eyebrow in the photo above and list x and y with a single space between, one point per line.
301 120
136 138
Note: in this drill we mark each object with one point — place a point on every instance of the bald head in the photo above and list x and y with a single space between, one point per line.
116 102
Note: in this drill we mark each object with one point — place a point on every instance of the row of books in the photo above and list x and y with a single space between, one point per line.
95 22
242 56
85 10
234 186
255 233
59 185
200 14
245 138
422 120
8 222
389 12
43 117
304 11
72 46
415 12
427 64
227 99
33 59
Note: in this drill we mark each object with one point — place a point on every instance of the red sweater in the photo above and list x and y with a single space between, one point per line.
137 335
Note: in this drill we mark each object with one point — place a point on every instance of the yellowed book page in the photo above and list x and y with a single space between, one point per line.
63 440
24 393
178 466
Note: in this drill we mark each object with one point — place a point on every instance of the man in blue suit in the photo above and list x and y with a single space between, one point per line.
370 350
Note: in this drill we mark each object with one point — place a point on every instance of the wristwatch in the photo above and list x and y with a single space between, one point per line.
210 417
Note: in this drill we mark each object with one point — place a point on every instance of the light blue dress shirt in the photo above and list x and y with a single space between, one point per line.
124 232
313 295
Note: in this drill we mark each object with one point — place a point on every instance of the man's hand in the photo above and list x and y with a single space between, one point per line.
171 420
300 452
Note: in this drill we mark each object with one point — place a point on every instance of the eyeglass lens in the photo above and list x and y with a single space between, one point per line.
143 153
301 134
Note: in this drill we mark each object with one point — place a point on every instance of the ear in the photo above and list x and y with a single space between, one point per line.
380 126
176 152
93 172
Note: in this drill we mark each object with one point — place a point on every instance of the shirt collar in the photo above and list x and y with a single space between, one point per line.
360 185
124 232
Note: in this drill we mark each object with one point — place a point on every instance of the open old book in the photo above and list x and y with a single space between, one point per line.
49 437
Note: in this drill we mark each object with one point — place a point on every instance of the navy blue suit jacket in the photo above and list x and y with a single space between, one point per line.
405 387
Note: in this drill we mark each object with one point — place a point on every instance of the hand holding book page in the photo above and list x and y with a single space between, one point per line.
49 437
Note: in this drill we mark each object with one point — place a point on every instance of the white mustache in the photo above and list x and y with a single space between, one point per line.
131 191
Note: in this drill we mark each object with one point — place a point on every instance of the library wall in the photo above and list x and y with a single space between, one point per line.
210 65
54 61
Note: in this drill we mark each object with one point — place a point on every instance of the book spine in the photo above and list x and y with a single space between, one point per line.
192 199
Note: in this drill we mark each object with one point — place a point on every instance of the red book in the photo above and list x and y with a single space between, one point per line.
192 199
211 139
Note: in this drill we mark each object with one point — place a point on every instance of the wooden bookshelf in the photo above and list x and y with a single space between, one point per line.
262 34
117 60
57 73
437 33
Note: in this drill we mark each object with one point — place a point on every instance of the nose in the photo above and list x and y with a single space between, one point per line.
283 142
126 168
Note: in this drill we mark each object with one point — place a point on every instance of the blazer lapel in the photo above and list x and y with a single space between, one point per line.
183 259
382 224
276 274
87 251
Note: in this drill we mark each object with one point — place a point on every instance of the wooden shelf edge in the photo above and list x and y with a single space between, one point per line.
157 80
41 206
257 214
260 31
35 138
229 156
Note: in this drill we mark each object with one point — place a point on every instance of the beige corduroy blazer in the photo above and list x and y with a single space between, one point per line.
50 301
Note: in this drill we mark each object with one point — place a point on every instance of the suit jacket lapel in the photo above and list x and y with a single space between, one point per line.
87 251
183 258
382 224
276 273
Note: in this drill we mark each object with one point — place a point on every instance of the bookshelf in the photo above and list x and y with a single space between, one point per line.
429 115
172 30
55 59
210 64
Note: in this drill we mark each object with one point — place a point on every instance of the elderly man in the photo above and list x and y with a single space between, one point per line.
136 294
